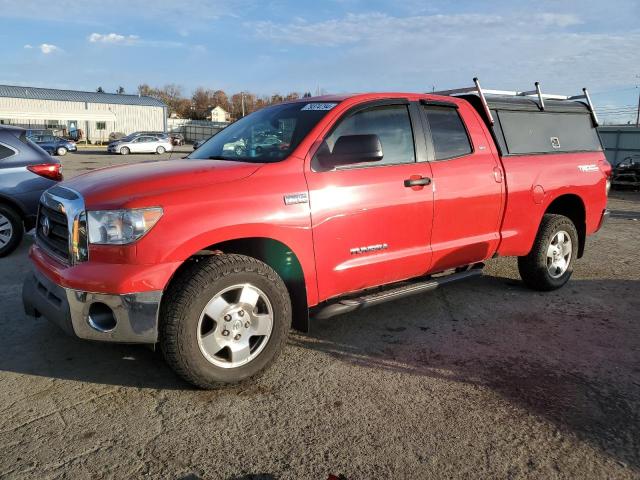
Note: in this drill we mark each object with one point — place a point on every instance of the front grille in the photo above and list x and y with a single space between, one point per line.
53 237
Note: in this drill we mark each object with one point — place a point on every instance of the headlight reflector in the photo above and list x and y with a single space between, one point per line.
120 227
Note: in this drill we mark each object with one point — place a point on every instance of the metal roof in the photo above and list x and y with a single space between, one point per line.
12 91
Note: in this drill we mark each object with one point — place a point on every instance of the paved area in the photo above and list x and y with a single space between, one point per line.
483 379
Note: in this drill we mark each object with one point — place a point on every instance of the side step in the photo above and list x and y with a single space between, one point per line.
393 293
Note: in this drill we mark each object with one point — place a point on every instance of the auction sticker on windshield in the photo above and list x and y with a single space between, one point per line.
318 106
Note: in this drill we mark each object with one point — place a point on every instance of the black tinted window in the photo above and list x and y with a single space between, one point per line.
392 126
5 152
447 131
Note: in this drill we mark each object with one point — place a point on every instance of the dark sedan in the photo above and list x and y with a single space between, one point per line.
54 145
26 171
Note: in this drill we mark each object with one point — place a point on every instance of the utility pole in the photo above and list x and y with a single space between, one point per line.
638 114
242 102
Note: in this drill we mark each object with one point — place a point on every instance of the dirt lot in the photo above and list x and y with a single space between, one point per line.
484 379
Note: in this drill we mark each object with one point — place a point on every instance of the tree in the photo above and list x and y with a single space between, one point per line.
202 100
120 90
220 99
99 90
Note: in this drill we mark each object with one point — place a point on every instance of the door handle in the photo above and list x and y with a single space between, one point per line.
417 182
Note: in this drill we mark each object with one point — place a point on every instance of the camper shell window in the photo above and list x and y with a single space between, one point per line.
522 128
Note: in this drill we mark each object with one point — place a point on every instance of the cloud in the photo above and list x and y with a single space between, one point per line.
558 19
131 40
507 49
113 38
48 48
356 28
28 47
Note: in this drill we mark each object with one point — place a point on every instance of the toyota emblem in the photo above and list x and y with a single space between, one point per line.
46 226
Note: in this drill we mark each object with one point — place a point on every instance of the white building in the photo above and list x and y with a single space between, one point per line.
219 114
96 115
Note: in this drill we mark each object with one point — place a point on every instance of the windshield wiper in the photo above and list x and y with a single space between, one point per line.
220 157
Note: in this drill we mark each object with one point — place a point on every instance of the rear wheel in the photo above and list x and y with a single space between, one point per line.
11 230
549 265
224 319
61 151
160 150
125 151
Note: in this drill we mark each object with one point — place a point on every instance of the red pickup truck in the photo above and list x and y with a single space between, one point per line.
355 200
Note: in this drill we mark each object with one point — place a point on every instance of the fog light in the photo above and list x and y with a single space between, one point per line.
101 317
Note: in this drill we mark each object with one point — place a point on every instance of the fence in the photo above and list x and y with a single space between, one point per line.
194 130
620 142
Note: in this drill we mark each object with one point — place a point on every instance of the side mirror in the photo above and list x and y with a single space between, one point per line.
350 149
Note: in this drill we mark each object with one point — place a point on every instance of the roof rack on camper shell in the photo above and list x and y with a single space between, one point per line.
476 89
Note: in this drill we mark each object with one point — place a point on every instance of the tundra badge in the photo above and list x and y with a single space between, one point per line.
293 198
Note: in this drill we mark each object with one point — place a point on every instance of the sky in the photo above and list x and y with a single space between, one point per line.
333 46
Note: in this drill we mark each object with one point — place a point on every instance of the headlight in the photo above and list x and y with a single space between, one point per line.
119 227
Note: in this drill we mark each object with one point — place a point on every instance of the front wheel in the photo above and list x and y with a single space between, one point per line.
61 151
11 230
125 151
549 264
160 150
224 319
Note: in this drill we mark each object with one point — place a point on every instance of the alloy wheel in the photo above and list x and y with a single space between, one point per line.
235 326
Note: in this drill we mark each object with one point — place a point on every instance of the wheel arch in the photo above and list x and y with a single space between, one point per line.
572 206
278 256
15 205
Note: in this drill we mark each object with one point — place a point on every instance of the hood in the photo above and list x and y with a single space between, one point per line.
115 187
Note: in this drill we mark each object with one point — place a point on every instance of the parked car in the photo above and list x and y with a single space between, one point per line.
237 146
134 135
26 171
54 145
114 136
266 141
142 144
177 139
214 257
627 173
198 143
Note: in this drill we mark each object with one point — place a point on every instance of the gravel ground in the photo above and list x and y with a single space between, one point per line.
483 379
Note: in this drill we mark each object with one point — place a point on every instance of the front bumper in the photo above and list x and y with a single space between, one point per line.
126 318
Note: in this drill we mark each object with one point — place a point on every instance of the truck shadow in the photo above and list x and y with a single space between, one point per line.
574 365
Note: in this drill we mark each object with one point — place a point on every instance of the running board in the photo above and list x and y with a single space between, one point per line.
352 304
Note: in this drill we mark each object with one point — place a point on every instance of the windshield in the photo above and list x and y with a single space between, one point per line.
268 135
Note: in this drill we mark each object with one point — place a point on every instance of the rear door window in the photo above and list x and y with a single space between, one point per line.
448 133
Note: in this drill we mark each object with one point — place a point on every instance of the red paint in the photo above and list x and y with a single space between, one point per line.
476 206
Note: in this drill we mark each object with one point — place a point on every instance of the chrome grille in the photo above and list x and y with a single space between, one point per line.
59 209
53 231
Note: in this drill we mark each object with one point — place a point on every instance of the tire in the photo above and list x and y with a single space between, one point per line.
61 151
11 230
125 151
160 150
549 265
184 323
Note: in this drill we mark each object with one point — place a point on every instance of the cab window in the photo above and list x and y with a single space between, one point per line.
450 139
392 125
